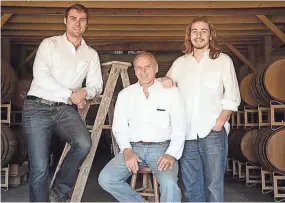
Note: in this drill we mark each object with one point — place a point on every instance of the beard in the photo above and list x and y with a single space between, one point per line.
200 45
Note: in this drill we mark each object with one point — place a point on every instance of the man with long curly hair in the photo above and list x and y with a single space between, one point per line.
208 85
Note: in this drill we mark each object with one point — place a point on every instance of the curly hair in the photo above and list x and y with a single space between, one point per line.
214 50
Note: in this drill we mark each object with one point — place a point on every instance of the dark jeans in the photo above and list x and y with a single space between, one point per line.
202 168
39 120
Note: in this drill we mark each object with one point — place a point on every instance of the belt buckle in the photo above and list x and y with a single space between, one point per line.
44 101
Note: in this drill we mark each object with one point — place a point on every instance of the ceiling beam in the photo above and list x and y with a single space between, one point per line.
272 27
173 33
52 26
140 46
5 17
96 42
150 4
148 11
240 56
136 20
147 38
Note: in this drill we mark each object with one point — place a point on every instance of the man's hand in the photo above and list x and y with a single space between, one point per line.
218 126
81 104
78 95
131 160
167 82
165 161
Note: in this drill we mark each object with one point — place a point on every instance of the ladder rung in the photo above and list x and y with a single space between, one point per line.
98 99
89 127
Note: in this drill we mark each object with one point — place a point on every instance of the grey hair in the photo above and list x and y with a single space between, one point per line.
152 58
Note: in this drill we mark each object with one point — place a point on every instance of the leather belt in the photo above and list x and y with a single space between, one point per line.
44 101
146 143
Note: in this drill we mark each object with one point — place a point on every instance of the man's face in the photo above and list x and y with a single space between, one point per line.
76 23
145 70
200 35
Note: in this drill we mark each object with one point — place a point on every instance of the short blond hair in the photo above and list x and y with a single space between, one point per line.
152 58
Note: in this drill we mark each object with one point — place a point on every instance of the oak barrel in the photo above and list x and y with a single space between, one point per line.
9 81
8 145
21 152
241 145
268 82
245 91
270 149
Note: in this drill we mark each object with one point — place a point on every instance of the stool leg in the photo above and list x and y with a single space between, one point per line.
150 188
155 187
134 180
145 176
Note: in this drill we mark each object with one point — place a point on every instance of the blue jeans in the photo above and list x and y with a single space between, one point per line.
202 165
39 120
113 177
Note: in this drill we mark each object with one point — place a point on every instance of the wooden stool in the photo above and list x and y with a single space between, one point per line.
146 190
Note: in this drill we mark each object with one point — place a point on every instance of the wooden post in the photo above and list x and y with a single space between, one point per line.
6 49
21 66
267 48
251 54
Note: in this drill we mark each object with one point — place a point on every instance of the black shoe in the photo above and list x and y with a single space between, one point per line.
55 196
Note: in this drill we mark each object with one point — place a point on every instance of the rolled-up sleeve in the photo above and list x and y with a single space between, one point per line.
120 122
178 125
231 98
94 82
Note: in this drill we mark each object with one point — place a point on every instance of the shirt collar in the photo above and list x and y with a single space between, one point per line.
206 53
83 43
153 86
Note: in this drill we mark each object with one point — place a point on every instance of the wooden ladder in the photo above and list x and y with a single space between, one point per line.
111 72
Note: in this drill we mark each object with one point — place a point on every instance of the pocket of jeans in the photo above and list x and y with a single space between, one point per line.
30 103
214 131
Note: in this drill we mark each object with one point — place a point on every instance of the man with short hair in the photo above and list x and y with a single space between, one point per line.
207 82
61 65
149 127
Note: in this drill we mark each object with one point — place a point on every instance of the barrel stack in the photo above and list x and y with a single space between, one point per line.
14 153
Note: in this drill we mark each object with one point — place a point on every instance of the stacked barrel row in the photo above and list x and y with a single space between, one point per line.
13 88
264 147
13 146
13 142
264 85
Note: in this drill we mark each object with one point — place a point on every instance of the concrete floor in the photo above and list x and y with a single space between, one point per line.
235 191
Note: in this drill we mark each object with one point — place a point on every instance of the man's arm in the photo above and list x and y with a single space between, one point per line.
42 72
120 123
231 98
178 134
94 82
169 80
178 125
120 130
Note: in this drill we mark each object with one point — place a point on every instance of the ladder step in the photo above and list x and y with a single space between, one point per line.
89 127
97 100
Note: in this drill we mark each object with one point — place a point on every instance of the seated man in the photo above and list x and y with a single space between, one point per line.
149 127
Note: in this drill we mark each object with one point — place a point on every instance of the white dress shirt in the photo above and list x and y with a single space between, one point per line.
158 118
207 88
59 68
